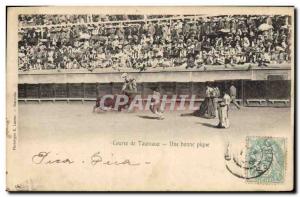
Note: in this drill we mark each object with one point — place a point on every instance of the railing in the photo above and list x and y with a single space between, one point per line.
244 67
193 18
113 22
249 102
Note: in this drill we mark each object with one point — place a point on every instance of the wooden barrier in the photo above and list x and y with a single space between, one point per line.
249 93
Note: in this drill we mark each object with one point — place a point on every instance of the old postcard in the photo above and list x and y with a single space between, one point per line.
150 98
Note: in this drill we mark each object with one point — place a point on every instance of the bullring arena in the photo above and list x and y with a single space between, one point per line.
49 112
67 61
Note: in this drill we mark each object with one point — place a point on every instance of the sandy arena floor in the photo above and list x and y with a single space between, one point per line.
73 131
59 121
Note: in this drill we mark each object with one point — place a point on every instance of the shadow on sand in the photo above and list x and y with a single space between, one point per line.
196 115
187 114
148 117
208 125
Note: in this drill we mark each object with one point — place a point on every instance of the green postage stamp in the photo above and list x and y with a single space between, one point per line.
266 159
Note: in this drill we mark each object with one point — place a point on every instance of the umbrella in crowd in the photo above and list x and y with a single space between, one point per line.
278 48
265 27
212 35
44 40
284 27
85 36
224 30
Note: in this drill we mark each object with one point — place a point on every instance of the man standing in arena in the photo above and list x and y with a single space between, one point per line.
155 106
223 109
233 93
215 97
129 88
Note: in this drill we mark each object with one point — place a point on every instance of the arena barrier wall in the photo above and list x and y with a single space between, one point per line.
265 87
216 73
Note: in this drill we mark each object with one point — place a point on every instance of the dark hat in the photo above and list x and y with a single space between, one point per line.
222 103
154 89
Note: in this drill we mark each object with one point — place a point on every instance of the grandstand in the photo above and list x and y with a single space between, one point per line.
80 57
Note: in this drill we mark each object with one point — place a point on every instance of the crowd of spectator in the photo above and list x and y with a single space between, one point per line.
142 42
